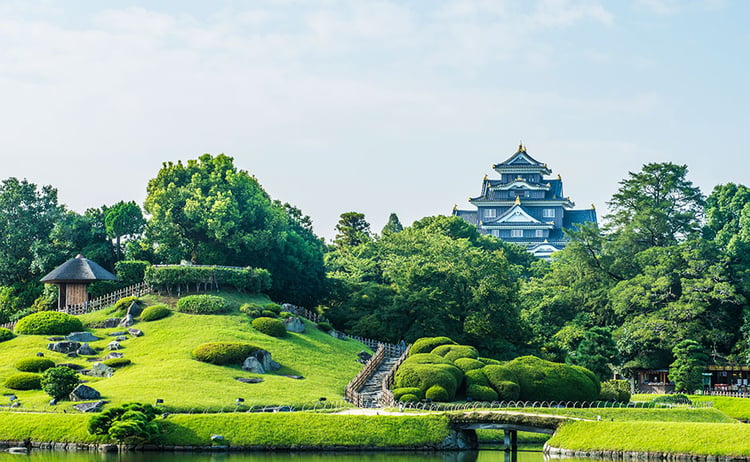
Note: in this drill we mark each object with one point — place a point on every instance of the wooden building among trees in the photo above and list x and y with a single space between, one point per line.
72 279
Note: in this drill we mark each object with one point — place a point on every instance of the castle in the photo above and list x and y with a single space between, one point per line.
524 207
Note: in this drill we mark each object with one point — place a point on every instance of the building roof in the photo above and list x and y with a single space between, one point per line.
520 158
78 269
577 217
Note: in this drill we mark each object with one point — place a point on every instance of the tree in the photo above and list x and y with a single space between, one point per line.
352 230
393 225
657 206
689 363
59 382
123 219
596 352
209 212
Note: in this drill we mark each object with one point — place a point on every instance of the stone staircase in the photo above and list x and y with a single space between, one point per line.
372 388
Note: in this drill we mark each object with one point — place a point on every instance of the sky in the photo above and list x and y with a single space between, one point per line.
372 106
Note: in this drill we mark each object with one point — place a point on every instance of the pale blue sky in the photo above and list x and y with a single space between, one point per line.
373 106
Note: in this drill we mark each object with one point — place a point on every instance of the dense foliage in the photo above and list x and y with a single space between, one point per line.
59 381
131 423
131 272
270 326
170 278
155 312
202 304
222 353
5 334
209 212
688 366
48 323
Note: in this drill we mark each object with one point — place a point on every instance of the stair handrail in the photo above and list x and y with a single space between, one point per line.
386 395
351 392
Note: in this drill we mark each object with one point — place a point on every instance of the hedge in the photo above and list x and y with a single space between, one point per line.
155 312
399 392
481 393
24 381
542 380
468 364
131 271
454 352
222 353
437 393
270 326
169 278
426 370
48 323
5 334
427 344
34 364
202 304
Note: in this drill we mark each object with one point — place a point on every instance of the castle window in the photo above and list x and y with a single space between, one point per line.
548 213
539 233
490 213
516 233
496 232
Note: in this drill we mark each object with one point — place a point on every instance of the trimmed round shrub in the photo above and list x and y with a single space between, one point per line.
124 303
221 353
273 307
48 323
286 315
202 304
155 312
427 344
5 334
481 393
507 390
437 393
251 309
399 392
34 364
325 327
490 361
59 381
542 380
468 364
24 381
117 362
268 314
454 352
409 398
426 370
591 375
270 326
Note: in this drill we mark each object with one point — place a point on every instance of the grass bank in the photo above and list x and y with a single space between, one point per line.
736 408
663 437
270 430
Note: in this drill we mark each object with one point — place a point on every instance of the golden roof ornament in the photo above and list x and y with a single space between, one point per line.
520 146
518 200
593 207
485 177
559 177
455 207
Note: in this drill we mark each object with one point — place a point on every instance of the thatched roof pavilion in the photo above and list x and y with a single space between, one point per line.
73 278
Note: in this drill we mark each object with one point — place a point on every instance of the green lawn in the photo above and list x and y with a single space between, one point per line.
736 408
163 367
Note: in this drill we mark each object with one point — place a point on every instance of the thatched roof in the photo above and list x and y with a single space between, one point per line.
78 269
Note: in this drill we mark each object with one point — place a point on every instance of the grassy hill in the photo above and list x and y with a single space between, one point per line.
163 367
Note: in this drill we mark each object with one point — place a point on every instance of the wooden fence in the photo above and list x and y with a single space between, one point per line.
731 394
98 303
386 395
351 393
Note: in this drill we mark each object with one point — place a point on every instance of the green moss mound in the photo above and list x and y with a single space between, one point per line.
490 361
5 334
24 381
541 380
222 353
427 344
202 304
426 370
48 323
454 352
270 326
34 364
468 364
155 312
117 362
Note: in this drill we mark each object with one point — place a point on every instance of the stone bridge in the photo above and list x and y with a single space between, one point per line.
466 424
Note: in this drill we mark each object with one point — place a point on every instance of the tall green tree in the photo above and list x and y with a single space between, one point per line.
209 212
689 363
123 219
352 230
393 226
657 206
596 352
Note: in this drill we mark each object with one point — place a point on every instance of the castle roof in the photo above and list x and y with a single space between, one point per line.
519 161
577 217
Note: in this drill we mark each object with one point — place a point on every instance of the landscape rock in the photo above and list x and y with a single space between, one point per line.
135 310
264 358
127 321
84 393
117 334
337 335
121 338
294 325
109 323
251 364
81 337
86 350
114 345
64 346
55 339
364 356
101 370
289 308
90 407
114 355
246 380
135 332
72 354
75 367
295 377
